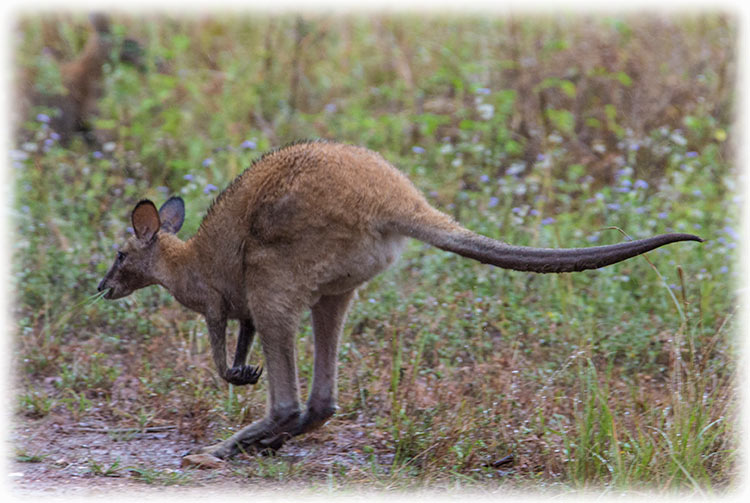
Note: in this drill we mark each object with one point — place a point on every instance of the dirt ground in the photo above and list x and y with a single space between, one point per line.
53 459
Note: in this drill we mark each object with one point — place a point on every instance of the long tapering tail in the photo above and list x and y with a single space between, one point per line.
438 229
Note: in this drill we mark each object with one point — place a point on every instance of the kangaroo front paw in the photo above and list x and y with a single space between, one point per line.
243 374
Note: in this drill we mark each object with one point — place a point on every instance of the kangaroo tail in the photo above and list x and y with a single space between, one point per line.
438 229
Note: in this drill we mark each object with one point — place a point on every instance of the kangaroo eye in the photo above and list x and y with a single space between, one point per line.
120 256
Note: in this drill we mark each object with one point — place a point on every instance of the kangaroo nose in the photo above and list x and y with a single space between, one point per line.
101 286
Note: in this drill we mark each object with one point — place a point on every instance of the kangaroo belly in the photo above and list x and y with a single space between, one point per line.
357 266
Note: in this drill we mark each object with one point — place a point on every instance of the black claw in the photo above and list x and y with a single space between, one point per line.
243 374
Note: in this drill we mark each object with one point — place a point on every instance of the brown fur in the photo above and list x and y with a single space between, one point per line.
302 229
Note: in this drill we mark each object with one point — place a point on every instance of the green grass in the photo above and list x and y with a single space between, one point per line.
537 131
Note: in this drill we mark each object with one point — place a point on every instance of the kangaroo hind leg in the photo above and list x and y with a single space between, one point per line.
277 337
328 317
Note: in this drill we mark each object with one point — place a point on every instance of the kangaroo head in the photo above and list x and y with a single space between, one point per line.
138 261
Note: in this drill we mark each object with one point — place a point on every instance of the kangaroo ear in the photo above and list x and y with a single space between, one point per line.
172 214
145 220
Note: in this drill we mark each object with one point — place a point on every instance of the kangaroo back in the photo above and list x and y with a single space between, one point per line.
440 230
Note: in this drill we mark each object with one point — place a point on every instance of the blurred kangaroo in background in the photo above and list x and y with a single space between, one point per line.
302 228
82 82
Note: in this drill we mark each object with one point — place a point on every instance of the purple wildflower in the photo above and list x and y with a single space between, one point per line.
483 90
330 108
540 157
43 118
98 155
663 215
417 149
534 212
732 233
613 206
248 144
691 154
724 269
484 178
188 177
548 221
640 184
210 188
207 162
493 202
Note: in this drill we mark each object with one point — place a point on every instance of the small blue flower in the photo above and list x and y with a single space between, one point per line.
516 210
663 215
493 202
417 149
330 108
484 178
210 188
18 155
626 182
732 233
548 221
207 162
53 135
534 212
613 206
188 177
697 193
129 181
640 210
635 147
98 155
43 118
49 142
724 269
622 189
593 238
248 144
691 154
483 90
640 184
162 189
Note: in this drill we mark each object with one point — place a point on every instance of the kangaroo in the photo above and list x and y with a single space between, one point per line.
82 80
302 228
